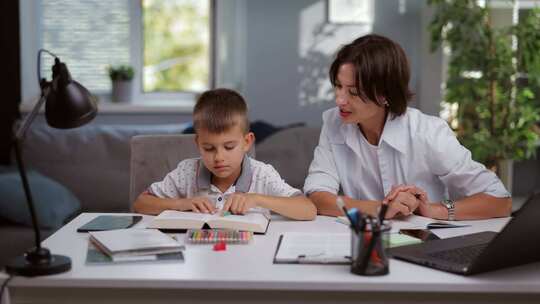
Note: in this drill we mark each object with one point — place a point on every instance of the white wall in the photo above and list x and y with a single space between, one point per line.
290 46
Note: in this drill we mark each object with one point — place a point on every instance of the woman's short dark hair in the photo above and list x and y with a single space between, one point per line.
218 110
382 71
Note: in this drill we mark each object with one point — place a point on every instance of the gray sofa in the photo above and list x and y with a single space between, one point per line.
94 163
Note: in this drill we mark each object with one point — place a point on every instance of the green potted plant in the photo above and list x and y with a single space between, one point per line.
122 87
492 82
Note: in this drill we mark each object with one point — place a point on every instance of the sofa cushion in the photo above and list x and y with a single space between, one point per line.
290 151
92 161
54 204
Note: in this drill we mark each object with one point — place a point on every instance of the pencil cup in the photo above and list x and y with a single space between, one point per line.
369 256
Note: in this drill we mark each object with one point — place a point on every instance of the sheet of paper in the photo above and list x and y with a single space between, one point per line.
410 222
475 226
317 246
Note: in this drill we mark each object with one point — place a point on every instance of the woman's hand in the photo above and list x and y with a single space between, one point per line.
402 200
240 203
424 206
430 209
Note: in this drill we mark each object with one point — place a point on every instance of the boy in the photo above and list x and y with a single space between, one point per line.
224 177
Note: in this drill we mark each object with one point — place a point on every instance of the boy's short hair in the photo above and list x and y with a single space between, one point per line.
219 110
382 70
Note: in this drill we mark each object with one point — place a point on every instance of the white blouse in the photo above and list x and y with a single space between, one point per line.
414 149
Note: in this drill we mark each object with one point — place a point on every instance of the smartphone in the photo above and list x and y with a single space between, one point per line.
422 234
110 222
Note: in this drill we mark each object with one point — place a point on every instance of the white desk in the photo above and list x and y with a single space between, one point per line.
245 273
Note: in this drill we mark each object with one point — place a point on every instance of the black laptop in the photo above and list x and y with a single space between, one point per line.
518 243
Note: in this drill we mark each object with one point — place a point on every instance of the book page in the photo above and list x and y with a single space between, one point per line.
251 221
172 219
410 222
322 247
173 214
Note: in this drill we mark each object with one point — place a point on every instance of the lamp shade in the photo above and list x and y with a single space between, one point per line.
69 104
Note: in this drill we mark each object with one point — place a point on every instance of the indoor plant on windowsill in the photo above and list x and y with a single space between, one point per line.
493 84
122 82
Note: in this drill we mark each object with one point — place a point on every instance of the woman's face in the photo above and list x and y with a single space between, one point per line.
352 109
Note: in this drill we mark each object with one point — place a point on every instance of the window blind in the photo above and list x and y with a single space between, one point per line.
87 35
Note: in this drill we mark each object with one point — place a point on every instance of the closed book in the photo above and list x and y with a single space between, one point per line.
252 221
95 256
134 242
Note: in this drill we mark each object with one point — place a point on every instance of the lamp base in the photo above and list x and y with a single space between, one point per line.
38 262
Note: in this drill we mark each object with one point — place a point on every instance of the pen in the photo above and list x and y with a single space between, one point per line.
382 212
353 214
371 240
375 235
341 204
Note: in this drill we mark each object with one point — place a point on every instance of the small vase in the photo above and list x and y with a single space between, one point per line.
122 90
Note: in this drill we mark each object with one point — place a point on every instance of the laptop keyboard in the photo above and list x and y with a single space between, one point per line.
461 256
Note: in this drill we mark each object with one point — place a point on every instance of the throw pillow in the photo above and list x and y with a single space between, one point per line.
54 204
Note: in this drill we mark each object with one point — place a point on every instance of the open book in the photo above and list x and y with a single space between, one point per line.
251 221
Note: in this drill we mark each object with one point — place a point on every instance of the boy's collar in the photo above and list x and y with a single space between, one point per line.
242 184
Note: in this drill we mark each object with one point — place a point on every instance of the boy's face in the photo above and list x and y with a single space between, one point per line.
223 153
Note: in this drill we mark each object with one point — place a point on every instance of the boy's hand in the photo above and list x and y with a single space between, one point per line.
240 203
200 205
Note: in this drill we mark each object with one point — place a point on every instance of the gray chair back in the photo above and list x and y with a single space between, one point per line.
153 156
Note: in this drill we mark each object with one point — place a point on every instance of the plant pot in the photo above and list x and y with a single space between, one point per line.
122 90
505 171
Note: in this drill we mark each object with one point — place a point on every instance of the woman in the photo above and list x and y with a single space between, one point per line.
376 150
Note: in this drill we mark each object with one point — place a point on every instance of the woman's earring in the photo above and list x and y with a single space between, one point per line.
385 103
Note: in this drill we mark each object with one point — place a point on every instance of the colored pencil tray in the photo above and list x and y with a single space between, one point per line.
212 236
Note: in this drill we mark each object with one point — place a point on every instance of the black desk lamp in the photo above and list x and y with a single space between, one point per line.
67 105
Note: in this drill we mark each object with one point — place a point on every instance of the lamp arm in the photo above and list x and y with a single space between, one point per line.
21 131
19 138
27 192
45 88
38 260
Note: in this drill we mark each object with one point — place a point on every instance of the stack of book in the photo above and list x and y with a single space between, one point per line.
129 245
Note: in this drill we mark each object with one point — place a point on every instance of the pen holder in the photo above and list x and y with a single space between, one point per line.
369 256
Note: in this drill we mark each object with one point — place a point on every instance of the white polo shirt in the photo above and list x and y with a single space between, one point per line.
414 149
191 179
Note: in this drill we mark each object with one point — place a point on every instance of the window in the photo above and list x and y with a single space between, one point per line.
168 42
350 11
176 45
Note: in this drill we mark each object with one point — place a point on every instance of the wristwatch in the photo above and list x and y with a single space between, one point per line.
450 206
